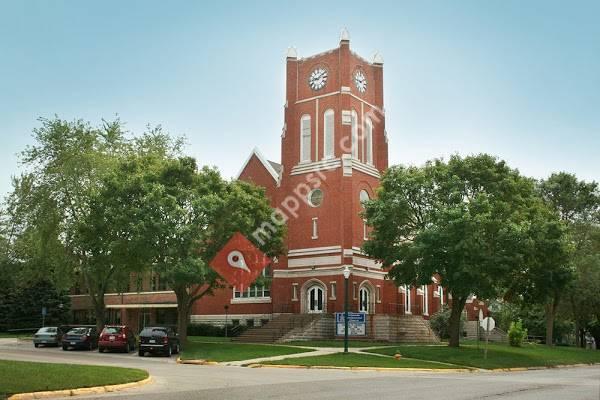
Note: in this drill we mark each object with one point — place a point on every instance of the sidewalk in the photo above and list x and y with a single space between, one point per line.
318 352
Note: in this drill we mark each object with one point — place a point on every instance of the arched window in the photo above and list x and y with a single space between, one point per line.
328 134
305 136
368 141
354 135
364 196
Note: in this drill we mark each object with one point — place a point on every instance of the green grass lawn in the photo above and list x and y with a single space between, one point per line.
359 360
499 355
210 339
220 351
5 335
21 376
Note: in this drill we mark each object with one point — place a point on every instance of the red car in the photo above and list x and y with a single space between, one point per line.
116 337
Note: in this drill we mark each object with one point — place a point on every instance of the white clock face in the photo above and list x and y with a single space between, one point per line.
317 79
360 81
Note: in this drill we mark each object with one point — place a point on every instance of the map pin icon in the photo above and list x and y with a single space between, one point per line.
236 260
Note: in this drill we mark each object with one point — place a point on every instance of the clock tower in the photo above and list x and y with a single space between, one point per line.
333 151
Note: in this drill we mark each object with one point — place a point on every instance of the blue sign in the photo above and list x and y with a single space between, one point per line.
352 316
357 324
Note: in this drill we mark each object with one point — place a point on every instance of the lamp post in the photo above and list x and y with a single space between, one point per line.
346 276
226 307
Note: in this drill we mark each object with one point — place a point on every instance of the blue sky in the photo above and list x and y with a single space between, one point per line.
518 79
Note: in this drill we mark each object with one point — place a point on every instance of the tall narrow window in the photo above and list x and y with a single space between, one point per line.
407 305
305 139
354 135
328 135
315 232
369 141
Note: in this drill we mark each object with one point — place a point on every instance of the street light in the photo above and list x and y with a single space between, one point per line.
226 307
346 276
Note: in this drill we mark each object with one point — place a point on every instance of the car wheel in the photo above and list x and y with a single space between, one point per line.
65 348
90 346
176 349
127 348
101 349
169 351
36 345
141 353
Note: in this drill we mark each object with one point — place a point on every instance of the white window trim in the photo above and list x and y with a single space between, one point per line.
378 294
262 296
368 141
328 153
354 134
365 232
332 290
305 117
315 228
425 300
294 292
407 304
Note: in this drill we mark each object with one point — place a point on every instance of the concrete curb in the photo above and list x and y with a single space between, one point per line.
437 370
380 369
195 362
80 391
521 369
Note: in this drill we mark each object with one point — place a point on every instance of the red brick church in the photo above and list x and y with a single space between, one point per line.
334 148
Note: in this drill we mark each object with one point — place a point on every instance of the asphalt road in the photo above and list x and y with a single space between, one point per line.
177 381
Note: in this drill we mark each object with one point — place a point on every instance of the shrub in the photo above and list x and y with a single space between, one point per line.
213 330
516 333
439 323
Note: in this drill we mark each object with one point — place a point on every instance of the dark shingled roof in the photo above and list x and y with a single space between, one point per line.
277 167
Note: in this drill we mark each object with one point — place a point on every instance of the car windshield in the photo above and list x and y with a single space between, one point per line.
112 330
78 331
154 332
47 330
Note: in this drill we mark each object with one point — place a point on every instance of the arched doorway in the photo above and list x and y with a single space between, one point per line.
364 304
315 298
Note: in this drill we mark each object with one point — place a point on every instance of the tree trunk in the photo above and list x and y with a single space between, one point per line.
458 303
550 310
183 314
100 311
577 334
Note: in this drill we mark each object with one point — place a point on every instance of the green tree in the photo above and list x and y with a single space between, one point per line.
578 205
55 211
546 269
461 220
28 301
188 215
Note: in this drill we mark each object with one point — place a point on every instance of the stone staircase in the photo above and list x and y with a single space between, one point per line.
299 327
321 327
403 329
279 327
496 335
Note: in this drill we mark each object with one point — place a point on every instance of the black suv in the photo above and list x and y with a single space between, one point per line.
158 339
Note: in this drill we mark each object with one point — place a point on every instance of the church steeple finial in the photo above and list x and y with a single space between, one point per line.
344 35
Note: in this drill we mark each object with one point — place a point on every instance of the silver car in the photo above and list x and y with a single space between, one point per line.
48 336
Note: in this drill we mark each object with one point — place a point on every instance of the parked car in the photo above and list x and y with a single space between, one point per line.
158 339
81 337
48 336
116 337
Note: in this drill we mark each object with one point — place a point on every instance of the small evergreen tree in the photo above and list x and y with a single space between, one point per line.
516 333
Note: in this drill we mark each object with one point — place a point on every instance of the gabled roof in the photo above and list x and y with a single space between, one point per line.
272 167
